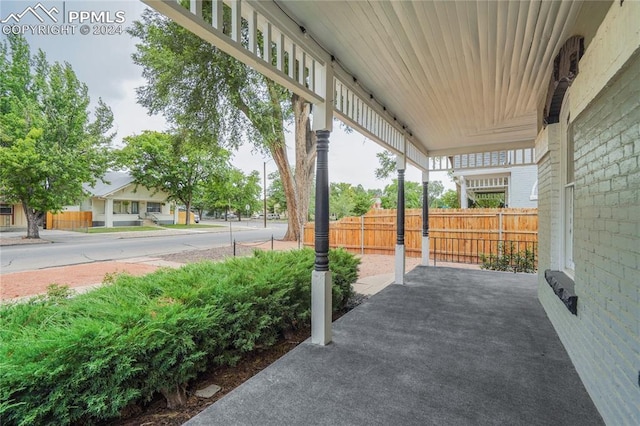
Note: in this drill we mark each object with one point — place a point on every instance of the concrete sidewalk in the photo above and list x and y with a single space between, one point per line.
451 347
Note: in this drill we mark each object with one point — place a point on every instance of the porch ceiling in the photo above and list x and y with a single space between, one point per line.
464 76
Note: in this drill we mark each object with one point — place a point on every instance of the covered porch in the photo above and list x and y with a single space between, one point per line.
429 81
450 347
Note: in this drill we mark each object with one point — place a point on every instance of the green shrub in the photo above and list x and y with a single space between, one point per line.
85 358
510 260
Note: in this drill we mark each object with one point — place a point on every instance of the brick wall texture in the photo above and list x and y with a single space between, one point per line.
604 339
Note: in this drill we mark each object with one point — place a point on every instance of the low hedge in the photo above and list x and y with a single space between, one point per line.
85 358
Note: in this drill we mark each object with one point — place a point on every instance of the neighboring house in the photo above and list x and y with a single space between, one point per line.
12 217
513 180
120 202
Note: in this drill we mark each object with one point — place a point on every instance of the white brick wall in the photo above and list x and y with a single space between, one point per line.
603 340
549 200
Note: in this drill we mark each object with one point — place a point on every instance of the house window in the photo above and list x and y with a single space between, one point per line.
6 209
117 207
568 194
154 208
134 207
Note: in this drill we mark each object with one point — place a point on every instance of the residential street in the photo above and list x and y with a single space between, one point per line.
71 248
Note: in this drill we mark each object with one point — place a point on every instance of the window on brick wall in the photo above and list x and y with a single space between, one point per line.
568 190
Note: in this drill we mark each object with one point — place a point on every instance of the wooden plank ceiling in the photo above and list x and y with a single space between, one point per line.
463 76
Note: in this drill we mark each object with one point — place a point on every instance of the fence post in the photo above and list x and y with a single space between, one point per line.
234 248
271 242
362 234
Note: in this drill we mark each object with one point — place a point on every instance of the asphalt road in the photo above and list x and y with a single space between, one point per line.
71 248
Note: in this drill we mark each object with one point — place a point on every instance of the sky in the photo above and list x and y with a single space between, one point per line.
103 62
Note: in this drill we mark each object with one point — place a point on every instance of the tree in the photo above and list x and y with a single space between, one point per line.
347 200
196 85
363 200
175 163
436 188
275 192
449 200
49 147
235 191
387 167
412 194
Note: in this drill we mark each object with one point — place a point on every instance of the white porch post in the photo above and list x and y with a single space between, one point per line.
176 214
425 218
464 201
400 249
108 213
321 276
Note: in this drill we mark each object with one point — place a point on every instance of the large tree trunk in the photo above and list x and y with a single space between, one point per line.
306 143
279 154
33 218
297 188
187 206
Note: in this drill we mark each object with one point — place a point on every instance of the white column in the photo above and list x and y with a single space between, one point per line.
464 201
176 214
425 218
400 248
321 277
108 213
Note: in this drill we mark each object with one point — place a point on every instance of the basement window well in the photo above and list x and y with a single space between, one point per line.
564 288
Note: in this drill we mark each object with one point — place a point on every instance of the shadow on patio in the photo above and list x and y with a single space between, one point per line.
452 346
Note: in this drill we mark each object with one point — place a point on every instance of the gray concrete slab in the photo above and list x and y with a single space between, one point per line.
451 347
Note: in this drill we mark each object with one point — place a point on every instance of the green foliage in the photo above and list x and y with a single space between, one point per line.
275 193
412 194
179 164
488 201
85 358
48 145
449 200
509 259
234 192
198 87
347 200
387 167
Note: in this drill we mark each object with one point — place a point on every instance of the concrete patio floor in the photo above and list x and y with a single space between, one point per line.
451 347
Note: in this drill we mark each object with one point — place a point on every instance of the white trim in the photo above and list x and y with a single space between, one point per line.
399 264
565 260
321 307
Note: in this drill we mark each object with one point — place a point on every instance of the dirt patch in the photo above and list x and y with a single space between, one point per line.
14 241
31 283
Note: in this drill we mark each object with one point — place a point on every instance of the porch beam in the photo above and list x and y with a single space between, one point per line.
214 35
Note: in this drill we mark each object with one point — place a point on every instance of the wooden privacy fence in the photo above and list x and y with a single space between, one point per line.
70 221
456 231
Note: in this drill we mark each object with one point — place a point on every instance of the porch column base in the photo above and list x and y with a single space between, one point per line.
400 266
425 251
321 307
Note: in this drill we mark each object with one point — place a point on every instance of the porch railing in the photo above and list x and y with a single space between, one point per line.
498 255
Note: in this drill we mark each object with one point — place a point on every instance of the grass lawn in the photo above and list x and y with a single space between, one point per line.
192 226
123 229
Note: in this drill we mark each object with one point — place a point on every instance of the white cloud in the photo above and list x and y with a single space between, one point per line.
130 117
